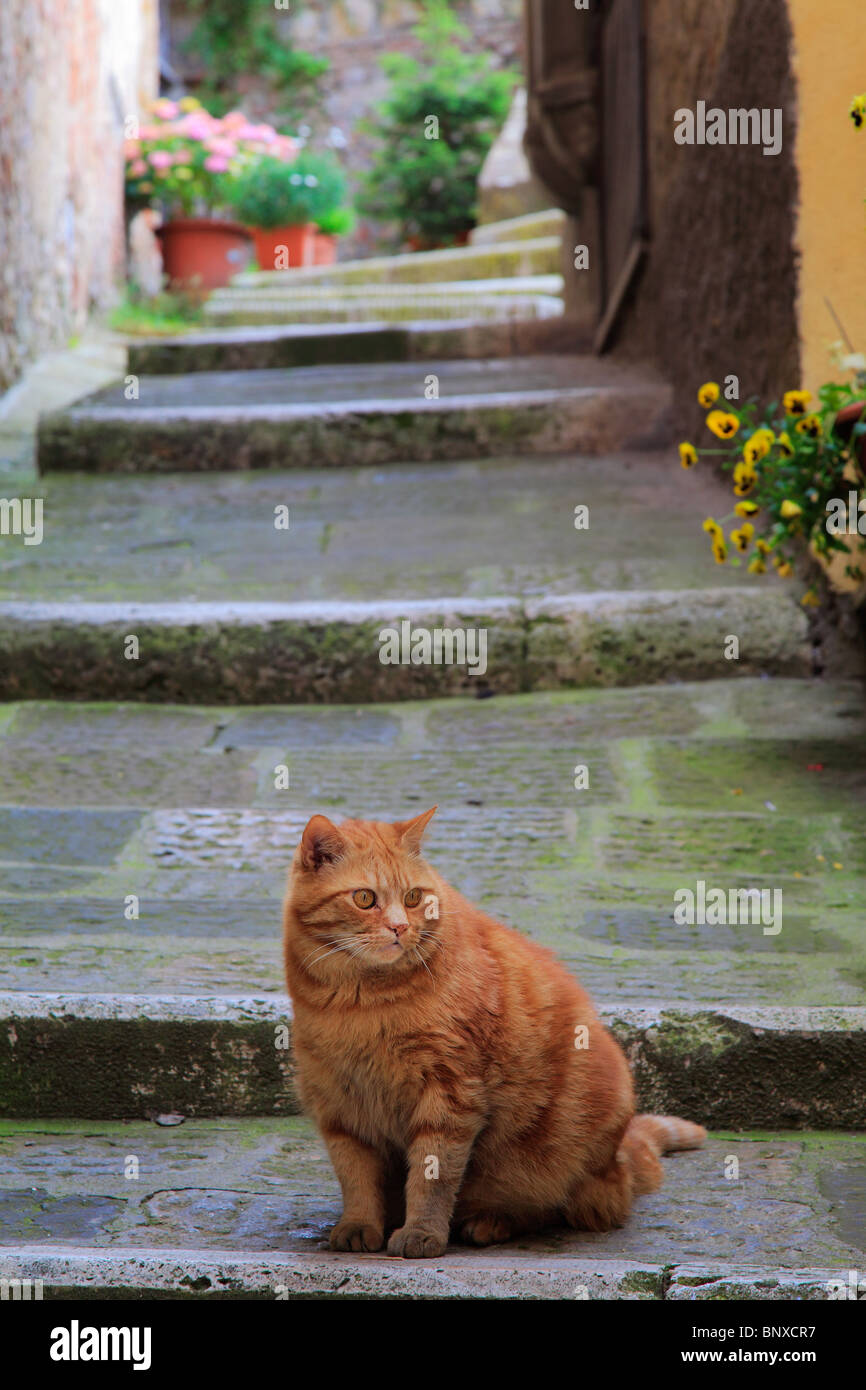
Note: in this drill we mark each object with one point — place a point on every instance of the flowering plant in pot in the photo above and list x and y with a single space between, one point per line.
281 203
798 471
329 226
187 160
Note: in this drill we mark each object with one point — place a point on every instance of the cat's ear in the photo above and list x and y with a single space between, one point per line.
321 843
410 832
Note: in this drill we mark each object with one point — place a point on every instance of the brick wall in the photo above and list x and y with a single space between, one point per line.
70 74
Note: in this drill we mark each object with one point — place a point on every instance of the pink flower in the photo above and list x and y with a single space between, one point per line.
131 148
137 168
222 147
160 159
196 126
216 164
165 109
233 120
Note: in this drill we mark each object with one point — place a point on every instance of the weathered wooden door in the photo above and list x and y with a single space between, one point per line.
586 129
624 215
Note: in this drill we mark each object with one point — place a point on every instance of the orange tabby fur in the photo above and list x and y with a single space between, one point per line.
437 1055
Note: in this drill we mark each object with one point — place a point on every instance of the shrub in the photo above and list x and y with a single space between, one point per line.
233 38
434 129
271 193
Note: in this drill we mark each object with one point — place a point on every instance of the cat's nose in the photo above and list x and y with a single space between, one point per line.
396 922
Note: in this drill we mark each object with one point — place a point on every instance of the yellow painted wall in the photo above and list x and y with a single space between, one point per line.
829 61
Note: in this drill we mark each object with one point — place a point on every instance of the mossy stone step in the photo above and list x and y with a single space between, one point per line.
242 1208
495 261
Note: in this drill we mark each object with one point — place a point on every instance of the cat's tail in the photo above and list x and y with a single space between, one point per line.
646 1138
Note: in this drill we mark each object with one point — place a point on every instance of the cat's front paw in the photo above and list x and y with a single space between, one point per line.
417 1243
357 1236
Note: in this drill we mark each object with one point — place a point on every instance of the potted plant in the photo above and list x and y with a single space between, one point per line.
187 160
281 203
795 467
329 226
424 175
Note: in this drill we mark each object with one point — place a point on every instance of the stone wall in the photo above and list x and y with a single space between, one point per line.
353 35
70 74
719 292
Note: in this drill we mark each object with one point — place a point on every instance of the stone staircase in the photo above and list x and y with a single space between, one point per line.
145 824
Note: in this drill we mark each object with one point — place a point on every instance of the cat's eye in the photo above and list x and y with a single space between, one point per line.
413 897
364 897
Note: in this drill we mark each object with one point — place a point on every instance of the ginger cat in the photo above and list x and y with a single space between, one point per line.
460 1077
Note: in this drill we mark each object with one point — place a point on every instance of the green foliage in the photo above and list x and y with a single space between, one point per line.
337 222
790 463
234 38
271 193
164 313
441 115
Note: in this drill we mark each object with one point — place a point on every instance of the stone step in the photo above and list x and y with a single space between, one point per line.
121 1056
512 301
332 652
530 225
492 262
740 783
242 1208
312 417
479 528
311 345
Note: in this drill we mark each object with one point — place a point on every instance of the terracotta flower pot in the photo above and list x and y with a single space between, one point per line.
203 252
285 248
324 249
847 418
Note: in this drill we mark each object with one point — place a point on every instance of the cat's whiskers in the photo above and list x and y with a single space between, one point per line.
333 948
416 952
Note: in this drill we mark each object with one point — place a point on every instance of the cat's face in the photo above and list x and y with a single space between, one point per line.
363 897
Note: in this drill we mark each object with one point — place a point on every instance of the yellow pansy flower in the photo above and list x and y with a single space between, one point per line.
762 546
785 444
795 402
713 528
756 448
789 509
757 566
857 111
722 424
746 508
784 570
810 599
688 455
720 551
742 537
745 478
810 425
708 394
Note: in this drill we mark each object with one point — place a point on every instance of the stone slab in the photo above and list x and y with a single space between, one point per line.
330 652
242 1208
113 1056
487 263
360 415
179 807
307 345
481 528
